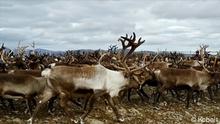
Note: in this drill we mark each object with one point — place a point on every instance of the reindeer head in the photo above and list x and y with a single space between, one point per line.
2 53
129 45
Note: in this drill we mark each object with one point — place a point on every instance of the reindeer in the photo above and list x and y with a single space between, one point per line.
17 86
169 78
2 62
67 81
36 73
142 76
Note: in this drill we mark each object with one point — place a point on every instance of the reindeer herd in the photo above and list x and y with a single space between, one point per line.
83 78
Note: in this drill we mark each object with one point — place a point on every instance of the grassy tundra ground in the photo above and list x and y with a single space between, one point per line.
170 111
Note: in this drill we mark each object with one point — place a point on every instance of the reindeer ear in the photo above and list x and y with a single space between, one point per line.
52 65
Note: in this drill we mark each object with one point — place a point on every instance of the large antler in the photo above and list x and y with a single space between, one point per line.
145 65
203 51
127 42
113 49
131 42
33 45
21 50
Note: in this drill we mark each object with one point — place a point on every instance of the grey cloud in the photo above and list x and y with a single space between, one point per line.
65 24
187 9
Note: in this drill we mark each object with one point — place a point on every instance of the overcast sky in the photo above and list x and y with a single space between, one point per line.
93 24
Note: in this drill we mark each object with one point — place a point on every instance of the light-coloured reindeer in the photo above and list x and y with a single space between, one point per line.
66 81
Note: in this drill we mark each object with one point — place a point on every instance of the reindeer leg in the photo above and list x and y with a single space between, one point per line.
116 101
177 94
28 101
129 95
10 101
156 97
216 90
77 102
28 104
3 102
202 94
122 94
159 93
47 94
143 93
50 107
196 95
172 93
33 100
64 104
111 103
210 93
139 93
86 102
91 102
11 104
189 96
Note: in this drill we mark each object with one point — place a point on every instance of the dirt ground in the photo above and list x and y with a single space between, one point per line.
169 111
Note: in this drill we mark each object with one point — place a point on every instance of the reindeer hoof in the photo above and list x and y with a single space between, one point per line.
51 111
26 111
30 121
74 121
121 119
81 120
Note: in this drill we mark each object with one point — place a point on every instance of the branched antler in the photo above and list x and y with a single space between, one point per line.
33 45
21 50
112 49
129 42
203 53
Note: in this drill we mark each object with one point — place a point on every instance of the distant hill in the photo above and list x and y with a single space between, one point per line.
41 52
81 51
50 52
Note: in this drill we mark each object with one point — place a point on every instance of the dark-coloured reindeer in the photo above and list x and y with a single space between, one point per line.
21 86
169 78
